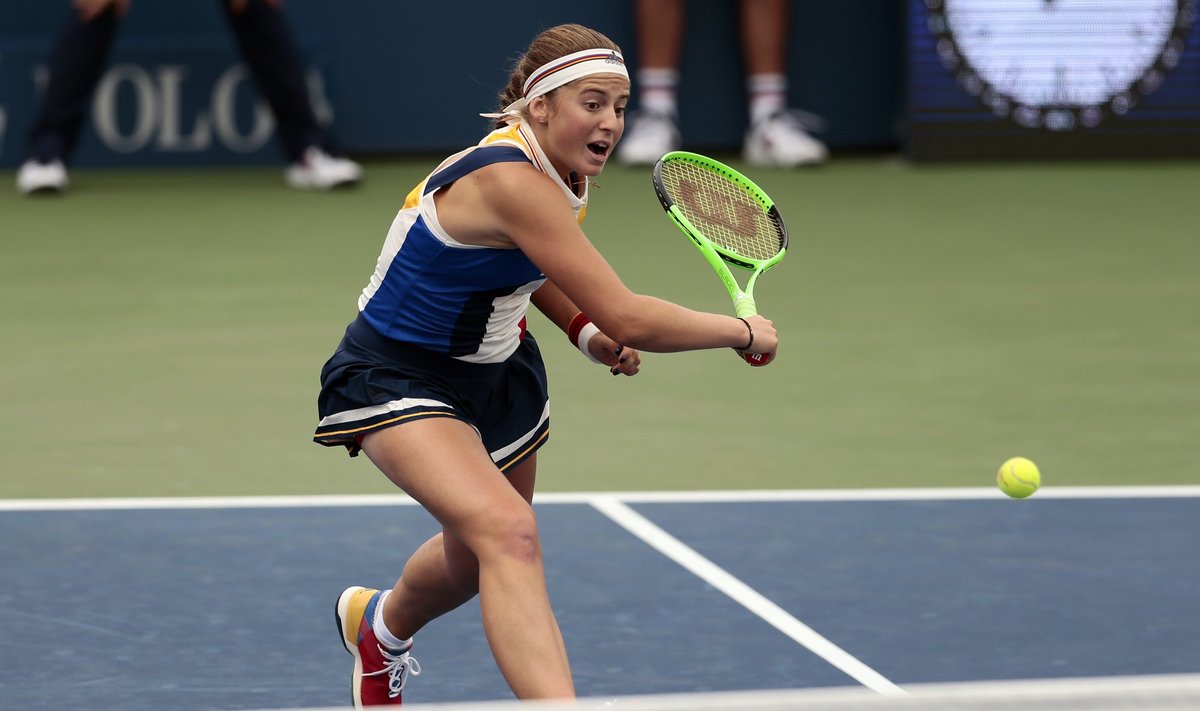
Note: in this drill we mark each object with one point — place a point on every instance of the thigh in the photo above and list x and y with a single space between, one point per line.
523 476
458 554
442 464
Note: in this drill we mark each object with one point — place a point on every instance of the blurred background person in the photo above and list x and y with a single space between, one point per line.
777 137
78 59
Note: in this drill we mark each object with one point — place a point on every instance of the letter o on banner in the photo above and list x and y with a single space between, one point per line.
104 109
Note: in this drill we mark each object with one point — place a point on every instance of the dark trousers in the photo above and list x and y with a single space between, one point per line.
80 54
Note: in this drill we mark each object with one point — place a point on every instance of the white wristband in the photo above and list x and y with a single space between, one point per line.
585 335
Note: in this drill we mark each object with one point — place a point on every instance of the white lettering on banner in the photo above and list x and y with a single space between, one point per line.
159 118
104 109
224 118
169 136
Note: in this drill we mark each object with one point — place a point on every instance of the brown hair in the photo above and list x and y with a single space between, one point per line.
546 47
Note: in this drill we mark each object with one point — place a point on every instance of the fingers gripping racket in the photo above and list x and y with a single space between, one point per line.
729 219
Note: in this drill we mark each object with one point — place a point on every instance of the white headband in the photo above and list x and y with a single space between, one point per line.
563 70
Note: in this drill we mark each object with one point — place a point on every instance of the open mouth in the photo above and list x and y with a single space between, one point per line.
600 149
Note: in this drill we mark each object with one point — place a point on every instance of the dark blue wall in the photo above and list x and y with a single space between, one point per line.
412 77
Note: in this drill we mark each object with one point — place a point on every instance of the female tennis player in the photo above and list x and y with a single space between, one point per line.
441 384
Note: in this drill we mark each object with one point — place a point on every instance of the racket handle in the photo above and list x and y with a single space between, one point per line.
744 306
756 359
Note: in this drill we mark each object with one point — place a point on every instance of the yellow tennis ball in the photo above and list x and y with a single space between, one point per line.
1019 477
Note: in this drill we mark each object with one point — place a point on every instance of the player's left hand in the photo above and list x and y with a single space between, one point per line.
619 359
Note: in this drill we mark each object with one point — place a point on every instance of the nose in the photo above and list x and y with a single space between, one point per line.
612 120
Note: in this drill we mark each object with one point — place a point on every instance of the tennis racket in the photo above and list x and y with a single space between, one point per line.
730 220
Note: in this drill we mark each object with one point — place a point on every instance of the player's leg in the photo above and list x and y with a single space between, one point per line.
442 464
523 477
443 573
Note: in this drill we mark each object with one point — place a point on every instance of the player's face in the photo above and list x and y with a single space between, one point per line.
584 122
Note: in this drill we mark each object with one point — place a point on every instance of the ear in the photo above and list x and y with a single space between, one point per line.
539 109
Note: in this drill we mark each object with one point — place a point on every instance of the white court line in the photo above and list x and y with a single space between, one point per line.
204 502
636 497
743 594
612 504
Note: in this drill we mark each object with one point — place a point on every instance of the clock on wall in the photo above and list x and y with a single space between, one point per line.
1060 65
1076 79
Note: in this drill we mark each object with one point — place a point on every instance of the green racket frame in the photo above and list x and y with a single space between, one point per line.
718 257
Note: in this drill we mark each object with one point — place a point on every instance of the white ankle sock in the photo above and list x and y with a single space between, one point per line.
767 94
656 92
383 634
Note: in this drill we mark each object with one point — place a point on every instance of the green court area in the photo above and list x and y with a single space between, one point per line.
163 332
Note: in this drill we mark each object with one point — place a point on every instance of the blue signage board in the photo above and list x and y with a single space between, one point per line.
160 102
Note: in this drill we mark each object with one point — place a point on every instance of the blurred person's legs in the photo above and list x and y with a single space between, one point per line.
777 137
266 43
652 131
75 65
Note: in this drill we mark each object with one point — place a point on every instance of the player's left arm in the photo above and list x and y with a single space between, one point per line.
557 307
516 205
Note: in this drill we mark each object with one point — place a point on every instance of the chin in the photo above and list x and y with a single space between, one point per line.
594 165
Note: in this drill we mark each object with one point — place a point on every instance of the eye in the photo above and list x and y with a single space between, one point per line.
592 105
620 110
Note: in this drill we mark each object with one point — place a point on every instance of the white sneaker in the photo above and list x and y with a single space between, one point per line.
37 177
782 141
320 171
650 136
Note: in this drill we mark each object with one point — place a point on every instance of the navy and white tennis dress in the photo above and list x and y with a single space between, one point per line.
441 331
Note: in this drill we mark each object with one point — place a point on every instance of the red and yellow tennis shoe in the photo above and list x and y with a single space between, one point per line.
380 673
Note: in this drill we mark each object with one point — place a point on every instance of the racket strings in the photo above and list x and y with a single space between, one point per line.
730 217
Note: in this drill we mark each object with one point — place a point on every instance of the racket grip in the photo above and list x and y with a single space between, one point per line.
744 306
756 360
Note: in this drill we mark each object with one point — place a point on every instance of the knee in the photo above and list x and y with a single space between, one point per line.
510 535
